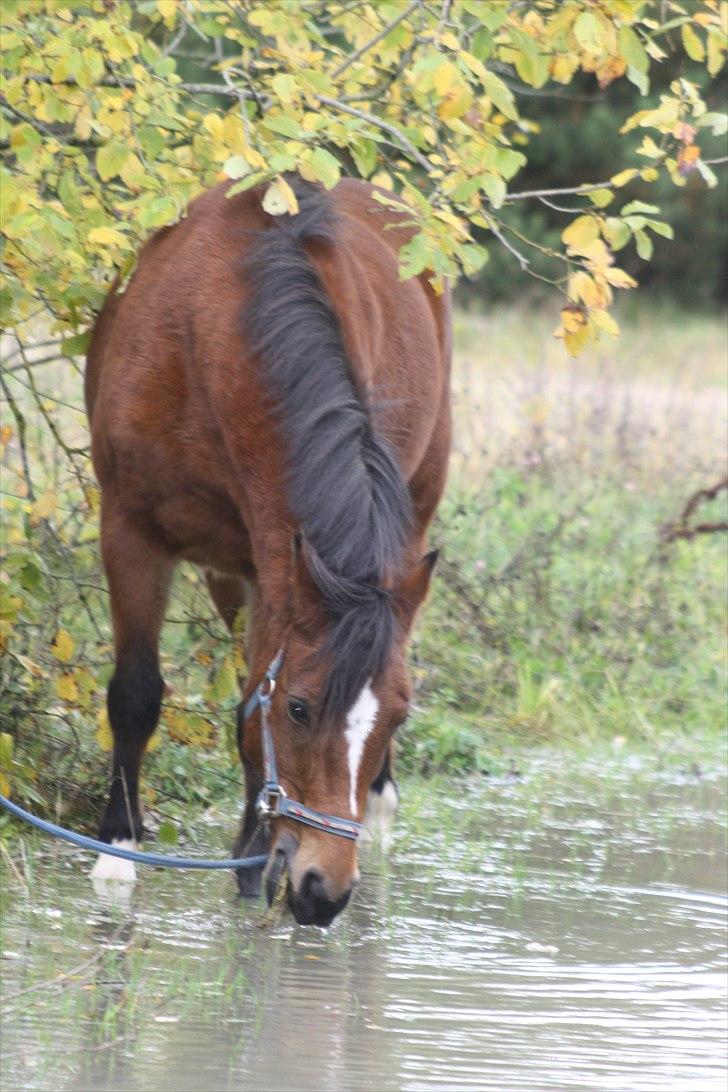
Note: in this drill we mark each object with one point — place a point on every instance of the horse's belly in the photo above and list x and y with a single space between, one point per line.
206 530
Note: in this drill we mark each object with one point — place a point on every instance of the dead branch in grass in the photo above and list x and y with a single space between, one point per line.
681 529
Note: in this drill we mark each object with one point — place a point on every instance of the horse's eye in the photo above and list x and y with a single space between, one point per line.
298 711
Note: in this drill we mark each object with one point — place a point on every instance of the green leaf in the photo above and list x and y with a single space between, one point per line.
639 79
167 833
325 167
601 198
494 189
632 50
644 245
660 228
500 95
247 183
715 121
414 257
638 206
481 45
236 167
76 345
616 232
282 124
473 257
110 159
589 32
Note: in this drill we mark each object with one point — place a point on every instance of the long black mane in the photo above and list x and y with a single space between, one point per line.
345 488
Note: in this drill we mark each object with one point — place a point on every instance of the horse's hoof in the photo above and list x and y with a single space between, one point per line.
115 870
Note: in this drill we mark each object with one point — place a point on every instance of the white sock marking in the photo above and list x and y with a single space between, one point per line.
360 722
379 816
110 869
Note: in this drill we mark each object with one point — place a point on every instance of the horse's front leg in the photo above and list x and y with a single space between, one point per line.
138 573
381 808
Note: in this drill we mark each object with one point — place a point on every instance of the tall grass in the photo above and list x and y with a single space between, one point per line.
560 615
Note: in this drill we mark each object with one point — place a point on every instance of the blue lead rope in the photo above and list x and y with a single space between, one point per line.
158 859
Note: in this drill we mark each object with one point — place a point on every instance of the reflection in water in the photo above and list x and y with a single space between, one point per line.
553 937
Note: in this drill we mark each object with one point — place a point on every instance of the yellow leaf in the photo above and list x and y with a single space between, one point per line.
649 174
580 232
693 46
107 236
576 341
572 319
43 507
563 67
279 199
583 287
66 688
443 77
382 180
604 321
601 198
619 278
62 647
104 737
214 126
623 177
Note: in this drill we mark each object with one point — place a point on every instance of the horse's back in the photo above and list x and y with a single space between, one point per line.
168 371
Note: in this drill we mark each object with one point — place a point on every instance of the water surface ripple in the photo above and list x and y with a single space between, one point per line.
547 934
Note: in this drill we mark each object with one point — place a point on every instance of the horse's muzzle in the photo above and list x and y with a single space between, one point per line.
311 904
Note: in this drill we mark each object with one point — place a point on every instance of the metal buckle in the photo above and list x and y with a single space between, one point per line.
267 804
265 696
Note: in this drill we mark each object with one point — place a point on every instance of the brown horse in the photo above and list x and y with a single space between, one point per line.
270 402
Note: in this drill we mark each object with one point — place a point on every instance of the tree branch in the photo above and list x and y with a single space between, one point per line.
352 57
379 123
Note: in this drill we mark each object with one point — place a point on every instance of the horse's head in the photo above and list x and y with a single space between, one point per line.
341 693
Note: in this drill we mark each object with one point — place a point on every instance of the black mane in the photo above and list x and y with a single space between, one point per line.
345 488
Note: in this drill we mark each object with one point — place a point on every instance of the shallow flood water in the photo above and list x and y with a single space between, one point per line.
562 932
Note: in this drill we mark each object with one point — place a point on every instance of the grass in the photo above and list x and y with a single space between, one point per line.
558 619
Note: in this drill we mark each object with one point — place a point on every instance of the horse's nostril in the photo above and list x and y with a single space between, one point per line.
312 905
312 885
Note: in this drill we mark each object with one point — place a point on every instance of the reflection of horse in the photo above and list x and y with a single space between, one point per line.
269 401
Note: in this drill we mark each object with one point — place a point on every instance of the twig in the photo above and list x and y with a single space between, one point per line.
379 123
373 41
526 195
680 528
14 867
20 426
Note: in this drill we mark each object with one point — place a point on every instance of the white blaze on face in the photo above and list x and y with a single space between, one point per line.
359 723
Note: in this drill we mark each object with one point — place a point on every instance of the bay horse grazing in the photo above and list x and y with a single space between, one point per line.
268 401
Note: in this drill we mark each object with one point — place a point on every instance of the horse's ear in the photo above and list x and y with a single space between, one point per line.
413 588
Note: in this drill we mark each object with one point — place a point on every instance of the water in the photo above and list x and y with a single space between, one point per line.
564 932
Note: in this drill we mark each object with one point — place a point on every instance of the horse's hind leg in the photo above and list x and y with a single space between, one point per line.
382 802
138 573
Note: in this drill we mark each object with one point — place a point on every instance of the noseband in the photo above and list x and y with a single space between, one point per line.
273 801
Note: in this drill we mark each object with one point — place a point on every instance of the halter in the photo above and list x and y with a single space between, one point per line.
273 802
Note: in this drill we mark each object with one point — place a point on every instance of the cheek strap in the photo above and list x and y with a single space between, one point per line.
273 801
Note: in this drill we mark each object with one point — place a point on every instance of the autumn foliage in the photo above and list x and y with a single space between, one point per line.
107 136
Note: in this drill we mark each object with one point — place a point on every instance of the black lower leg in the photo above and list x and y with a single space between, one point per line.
134 702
